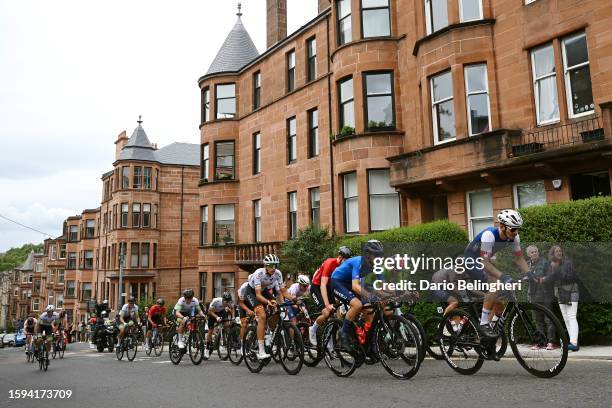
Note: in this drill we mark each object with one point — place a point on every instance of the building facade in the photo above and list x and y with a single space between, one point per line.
373 115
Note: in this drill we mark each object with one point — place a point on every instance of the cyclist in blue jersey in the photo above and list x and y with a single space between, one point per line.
485 245
347 286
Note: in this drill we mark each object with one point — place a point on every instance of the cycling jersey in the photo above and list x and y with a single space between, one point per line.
187 309
261 280
325 270
349 270
157 313
242 290
217 305
296 291
129 313
485 245
47 320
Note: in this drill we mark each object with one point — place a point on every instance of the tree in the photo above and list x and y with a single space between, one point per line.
14 257
305 253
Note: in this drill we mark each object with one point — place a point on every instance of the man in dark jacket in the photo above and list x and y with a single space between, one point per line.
541 293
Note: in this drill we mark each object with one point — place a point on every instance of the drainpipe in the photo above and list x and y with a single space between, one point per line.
181 236
331 146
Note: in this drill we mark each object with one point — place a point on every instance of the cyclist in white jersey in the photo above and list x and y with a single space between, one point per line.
264 285
244 311
48 322
299 290
220 308
186 307
127 316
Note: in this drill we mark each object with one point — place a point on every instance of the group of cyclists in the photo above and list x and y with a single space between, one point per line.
338 281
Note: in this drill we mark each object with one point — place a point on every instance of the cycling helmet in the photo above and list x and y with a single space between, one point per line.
303 280
188 293
510 218
50 308
105 302
373 247
131 300
271 259
345 252
160 302
227 297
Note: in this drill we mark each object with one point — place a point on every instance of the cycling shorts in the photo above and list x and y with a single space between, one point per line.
476 273
212 321
315 291
45 330
250 299
343 291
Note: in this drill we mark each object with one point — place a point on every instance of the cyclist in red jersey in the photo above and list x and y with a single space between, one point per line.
322 292
156 316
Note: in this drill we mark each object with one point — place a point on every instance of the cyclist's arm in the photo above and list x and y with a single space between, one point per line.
199 310
211 312
356 286
286 294
324 283
245 307
261 297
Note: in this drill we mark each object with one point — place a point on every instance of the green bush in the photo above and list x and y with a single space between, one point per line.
306 252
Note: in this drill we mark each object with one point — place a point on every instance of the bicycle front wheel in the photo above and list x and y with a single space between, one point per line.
398 348
290 348
131 347
120 351
341 362
312 357
460 342
222 347
527 342
195 345
250 349
233 345
176 354
158 344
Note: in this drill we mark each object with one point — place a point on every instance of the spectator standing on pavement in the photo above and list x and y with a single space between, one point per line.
540 293
565 281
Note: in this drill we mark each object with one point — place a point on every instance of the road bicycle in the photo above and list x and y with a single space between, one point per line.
391 340
284 343
465 350
30 351
156 342
43 354
129 344
221 338
194 342
58 346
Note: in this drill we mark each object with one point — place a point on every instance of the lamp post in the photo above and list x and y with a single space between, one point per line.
120 288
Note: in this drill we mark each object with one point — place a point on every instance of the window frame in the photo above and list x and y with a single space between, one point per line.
125 214
291 140
257 220
134 255
125 177
203 278
290 80
468 94
256 90
204 162
345 199
146 178
90 232
311 60
136 215
256 153
145 252
204 225
312 209
219 243
217 143
85 259
370 195
535 79
205 101
364 9
148 217
314 147
292 216
366 119
340 19
469 211
566 76
515 195
137 179
434 104
429 20
217 99
341 103
480 12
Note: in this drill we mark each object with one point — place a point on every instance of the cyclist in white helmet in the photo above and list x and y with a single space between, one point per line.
265 284
299 289
485 245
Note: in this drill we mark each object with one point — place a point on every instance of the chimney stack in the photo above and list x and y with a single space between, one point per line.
276 21
121 141
324 5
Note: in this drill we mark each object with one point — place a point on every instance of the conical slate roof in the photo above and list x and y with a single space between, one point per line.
237 51
138 146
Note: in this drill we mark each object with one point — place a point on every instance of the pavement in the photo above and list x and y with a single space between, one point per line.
99 380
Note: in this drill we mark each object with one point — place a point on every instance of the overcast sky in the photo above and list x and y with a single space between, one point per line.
74 74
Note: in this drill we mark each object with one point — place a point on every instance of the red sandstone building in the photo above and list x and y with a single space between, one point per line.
373 115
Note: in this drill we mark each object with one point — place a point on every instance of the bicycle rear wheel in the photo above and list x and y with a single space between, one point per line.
290 348
53 350
233 345
157 343
222 347
523 336
398 348
460 344
342 363
120 351
250 349
131 347
421 335
195 345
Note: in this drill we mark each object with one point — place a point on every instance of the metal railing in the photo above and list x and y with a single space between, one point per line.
255 252
556 136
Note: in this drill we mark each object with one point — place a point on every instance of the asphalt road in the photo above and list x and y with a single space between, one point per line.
99 380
